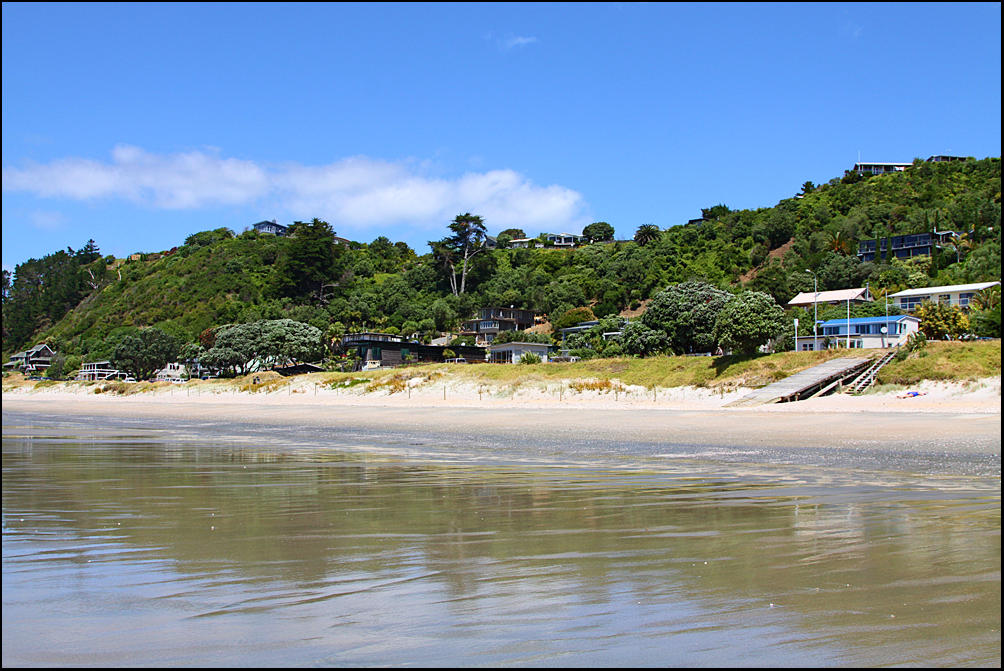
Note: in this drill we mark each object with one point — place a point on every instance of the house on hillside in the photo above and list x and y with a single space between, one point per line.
807 299
34 361
271 228
860 333
525 243
898 246
489 322
959 295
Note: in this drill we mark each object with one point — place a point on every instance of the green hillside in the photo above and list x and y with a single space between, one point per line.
80 300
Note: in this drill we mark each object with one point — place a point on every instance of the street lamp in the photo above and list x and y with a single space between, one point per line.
815 295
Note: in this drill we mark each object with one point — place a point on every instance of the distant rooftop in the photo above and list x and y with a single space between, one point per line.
979 286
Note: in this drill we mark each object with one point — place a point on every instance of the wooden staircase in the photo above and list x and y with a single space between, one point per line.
867 378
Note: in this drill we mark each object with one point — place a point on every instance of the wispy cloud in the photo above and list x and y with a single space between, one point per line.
510 41
357 192
517 41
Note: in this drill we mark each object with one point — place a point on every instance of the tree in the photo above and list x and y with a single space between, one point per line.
143 354
647 233
514 233
638 339
572 317
839 243
467 241
686 313
987 323
748 321
306 265
519 336
941 320
598 231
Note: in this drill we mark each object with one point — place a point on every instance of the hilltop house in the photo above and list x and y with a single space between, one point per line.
860 333
806 299
34 361
953 294
564 239
880 168
271 228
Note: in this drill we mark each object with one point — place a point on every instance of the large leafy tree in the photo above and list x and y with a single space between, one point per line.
598 231
686 313
639 339
144 353
455 252
242 348
748 321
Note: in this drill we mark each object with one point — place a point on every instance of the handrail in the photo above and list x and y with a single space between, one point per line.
867 378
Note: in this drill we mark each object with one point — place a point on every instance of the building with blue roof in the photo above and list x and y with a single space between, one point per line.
860 333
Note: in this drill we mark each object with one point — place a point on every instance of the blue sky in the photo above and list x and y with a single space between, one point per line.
137 125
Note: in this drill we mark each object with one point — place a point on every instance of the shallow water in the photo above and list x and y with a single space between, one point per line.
193 543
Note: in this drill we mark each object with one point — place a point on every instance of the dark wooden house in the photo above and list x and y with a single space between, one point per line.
385 350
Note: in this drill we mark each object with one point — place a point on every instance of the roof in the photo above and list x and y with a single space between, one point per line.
827 296
979 286
891 319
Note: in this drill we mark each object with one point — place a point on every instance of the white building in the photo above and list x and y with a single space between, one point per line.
955 294
865 333
512 352
172 372
92 371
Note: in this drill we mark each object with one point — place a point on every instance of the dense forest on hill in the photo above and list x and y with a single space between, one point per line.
80 301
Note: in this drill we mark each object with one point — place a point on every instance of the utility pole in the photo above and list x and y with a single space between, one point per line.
815 317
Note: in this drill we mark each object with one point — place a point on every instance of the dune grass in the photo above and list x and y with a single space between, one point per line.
939 361
945 362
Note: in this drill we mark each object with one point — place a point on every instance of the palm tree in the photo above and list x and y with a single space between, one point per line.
647 233
986 299
838 242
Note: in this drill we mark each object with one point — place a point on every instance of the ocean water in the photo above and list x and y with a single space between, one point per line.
136 542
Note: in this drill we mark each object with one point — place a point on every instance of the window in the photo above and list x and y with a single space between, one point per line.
945 299
965 298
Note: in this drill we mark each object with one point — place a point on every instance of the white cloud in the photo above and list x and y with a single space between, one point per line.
357 192
177 181
510 41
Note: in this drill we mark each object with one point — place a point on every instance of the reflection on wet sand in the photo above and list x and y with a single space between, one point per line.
134 548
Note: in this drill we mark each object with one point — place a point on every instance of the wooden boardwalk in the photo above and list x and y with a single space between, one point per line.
809 382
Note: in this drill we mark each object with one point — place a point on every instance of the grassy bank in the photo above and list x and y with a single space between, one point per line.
939 361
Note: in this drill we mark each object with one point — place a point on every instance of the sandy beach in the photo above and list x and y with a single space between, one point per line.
960 416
